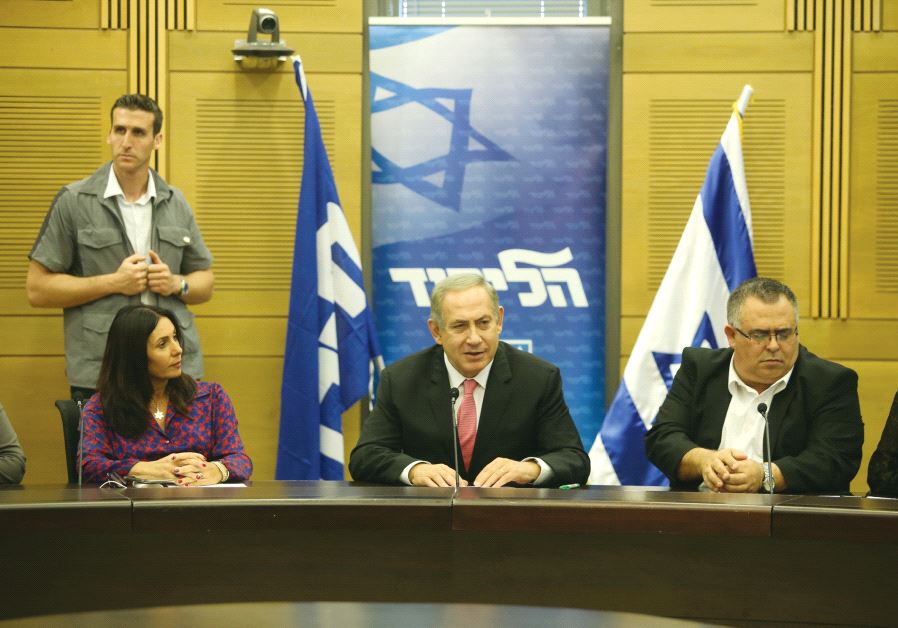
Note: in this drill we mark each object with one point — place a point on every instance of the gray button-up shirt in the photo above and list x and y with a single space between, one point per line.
84 235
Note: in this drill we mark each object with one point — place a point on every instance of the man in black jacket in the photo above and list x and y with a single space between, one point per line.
709 432
513 424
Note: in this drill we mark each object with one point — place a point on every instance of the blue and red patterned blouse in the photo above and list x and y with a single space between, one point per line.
210 429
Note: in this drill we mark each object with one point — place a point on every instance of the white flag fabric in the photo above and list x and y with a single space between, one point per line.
713 257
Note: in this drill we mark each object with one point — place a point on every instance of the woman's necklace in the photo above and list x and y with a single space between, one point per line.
159 414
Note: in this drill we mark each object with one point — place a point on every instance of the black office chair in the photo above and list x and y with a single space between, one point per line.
71 419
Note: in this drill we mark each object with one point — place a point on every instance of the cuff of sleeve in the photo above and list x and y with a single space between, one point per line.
403 477
123 467
545 471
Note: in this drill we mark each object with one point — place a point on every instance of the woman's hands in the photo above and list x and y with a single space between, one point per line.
186 468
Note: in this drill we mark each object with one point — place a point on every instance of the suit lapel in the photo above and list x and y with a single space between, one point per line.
780 404
718 401
438 399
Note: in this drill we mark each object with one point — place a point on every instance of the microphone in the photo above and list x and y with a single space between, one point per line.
79 398
453 396
768 472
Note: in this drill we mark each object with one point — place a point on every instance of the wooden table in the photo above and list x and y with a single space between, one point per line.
718 558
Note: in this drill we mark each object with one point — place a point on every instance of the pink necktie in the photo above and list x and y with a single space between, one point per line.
467 422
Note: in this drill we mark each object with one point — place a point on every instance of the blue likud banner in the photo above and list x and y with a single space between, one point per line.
488 155
331 343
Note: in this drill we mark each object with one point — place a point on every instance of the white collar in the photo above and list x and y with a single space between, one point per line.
456 379
734 381
113 188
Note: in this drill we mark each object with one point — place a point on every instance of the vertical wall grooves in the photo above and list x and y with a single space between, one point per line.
834 23
800 15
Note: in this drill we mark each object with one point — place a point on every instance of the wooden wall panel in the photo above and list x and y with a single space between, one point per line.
68 14
889 15
71 49
29 385
719 52
874 197
671 126
293 15
254 384
704 15
211 52
875 52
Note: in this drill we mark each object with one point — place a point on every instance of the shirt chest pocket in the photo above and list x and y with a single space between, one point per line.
101 250
172 243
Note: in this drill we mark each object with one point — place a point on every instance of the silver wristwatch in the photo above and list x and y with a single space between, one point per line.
769 484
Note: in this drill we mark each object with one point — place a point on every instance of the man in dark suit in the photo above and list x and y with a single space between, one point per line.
513 423
709 431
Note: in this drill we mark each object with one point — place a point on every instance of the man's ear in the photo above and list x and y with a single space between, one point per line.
434 331
730 331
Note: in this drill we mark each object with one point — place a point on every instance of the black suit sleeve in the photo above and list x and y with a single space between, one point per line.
378 457
558 442
882 474
831 454
675 428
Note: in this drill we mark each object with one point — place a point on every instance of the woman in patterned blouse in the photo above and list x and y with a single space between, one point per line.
150 420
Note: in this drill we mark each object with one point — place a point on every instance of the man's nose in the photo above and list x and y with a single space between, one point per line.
772 343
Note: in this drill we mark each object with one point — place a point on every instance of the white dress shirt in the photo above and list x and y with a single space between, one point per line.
137 216
743 427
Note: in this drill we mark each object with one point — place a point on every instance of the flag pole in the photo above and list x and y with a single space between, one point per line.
744 97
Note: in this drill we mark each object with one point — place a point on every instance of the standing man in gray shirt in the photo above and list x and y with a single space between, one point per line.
120 236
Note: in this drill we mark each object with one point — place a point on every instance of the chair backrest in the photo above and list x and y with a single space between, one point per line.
71 418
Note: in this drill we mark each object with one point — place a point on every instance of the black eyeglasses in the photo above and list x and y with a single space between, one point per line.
762 336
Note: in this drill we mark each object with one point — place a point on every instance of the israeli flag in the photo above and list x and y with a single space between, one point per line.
331 349
713 257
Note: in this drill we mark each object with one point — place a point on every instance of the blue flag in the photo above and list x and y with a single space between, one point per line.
331 349
713 257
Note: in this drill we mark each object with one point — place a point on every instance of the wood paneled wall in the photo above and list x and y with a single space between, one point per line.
820 158
233 144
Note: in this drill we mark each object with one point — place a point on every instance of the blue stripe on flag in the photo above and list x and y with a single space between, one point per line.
725 219
331 410
625 436
345 262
